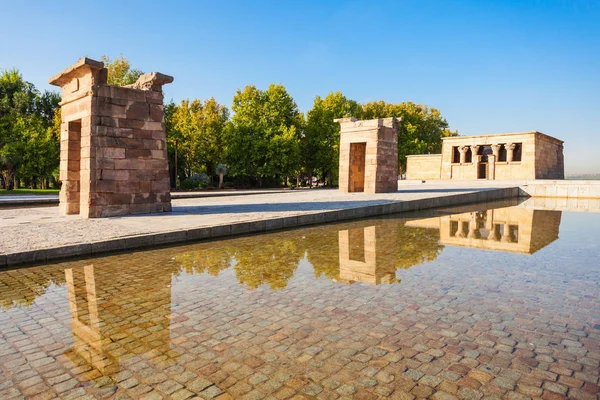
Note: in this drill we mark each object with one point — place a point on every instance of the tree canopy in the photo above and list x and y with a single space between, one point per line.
419 132
29 139
120 72
264 141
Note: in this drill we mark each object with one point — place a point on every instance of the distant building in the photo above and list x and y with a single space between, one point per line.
519 156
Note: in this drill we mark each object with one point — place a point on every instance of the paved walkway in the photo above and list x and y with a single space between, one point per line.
26 231
25 200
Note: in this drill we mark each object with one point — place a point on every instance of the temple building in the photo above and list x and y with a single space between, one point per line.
507 156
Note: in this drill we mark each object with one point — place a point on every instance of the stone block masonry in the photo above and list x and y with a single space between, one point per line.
113 143
368 155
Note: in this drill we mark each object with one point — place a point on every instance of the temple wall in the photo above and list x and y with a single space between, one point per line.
507 169
549 158
423 167
113 143
132 175
380 138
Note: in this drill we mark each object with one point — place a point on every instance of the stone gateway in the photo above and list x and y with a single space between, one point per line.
368 155
113 153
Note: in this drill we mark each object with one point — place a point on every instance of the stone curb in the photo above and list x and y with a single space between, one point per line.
257 226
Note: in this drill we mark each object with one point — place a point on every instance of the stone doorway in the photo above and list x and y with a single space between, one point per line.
482 171
358 153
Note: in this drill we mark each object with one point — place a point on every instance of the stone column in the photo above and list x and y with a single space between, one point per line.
459 233
463 153
510 147
493 236
491 167
473 226
475 158
496 150
506 234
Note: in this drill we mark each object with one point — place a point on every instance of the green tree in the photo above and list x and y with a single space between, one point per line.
320 147
120 72
196 130
419 132
28 138
264 138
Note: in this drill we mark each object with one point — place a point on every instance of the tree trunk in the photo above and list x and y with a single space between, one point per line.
220 181
9 180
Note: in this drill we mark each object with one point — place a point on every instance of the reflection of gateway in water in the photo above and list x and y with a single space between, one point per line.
364 258
512 229
115 317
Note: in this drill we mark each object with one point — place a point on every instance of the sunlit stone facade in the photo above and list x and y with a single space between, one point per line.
113 153
368 155
509 156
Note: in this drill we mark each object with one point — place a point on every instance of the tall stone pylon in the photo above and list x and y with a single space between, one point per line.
113 152
368 155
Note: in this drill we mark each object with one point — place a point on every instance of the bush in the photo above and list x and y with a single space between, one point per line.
195 181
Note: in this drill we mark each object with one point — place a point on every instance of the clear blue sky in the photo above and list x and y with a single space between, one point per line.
489 66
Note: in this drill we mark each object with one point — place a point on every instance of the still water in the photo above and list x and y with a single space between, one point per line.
484 301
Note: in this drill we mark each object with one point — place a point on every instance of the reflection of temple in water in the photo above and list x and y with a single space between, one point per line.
116 315
514 229
365 256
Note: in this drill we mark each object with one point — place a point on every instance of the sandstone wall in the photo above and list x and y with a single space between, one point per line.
423 167
549 158
132 172
500 170
113 143
380 137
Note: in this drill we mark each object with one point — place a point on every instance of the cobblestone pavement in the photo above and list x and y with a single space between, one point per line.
26 229
273 317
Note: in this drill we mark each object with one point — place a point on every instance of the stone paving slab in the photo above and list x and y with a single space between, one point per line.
17 200
39 234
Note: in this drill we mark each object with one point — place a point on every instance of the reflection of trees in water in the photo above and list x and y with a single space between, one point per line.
273 258
210 260
272 262
19 288
257 260
416 246
323 253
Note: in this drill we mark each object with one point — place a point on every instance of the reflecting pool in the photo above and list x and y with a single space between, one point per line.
494 301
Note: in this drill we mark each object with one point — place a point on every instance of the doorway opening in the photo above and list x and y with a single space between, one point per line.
482 171
73 184
358 152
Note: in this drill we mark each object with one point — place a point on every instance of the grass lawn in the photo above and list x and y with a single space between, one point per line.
27 192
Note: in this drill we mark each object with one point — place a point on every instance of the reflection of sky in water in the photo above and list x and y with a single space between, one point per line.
361 308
